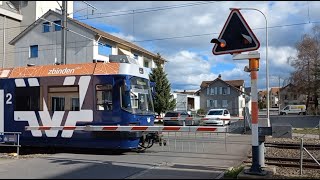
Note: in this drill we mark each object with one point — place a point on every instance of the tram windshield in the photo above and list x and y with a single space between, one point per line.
138 99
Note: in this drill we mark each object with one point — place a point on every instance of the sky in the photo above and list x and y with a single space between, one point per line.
181 32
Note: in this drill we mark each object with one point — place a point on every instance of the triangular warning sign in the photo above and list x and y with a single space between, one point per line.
237 35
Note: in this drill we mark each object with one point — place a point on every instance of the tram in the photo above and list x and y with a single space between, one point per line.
96 94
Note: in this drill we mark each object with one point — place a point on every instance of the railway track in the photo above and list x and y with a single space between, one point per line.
292 146
288 162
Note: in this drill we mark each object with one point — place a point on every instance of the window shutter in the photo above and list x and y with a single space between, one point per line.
228 90
208 103
216 103
220 92
208 89
215 90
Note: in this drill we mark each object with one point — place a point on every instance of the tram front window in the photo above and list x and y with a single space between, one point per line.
138 99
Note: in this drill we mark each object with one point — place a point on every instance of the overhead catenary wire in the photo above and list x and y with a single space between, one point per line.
193 35
143 10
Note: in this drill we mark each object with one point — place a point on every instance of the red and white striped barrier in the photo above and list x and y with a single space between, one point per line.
132 128
201 119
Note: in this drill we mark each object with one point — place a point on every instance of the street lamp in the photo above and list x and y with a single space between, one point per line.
267 62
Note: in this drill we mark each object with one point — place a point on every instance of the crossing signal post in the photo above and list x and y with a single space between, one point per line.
237 37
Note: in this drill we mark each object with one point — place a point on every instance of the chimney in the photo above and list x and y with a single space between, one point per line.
219 76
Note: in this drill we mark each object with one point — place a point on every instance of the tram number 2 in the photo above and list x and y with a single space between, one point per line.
9 98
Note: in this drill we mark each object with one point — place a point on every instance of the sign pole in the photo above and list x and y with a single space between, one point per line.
255 168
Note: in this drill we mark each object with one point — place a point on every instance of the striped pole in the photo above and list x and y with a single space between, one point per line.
255 168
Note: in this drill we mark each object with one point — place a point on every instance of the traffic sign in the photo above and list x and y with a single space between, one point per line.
235 37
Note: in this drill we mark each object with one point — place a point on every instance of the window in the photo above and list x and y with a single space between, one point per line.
224 90
135 56
104 97
57 27
212 103
224 103
146 63
57 103
46 27
27 99
63 98
212 91
75 104
34 51
104 50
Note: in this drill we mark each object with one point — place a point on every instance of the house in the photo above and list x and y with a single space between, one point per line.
223 94
40 44
262 96
289 96
15 16
274 97
187 100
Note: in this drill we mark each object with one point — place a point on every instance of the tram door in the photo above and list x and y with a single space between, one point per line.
104 105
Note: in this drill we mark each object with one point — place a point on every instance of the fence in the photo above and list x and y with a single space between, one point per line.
173 138
301 155
302 149
10 139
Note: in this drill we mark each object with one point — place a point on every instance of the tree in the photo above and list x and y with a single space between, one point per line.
163 99
306 76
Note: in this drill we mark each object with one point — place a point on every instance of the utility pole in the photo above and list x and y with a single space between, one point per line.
279 102
64 32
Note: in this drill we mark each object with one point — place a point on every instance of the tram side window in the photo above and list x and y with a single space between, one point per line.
104 97
63 98
27 99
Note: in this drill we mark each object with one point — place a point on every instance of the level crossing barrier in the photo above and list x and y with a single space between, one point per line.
172 138
234 124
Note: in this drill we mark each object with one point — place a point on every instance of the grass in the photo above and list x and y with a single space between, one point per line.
233 172
306 131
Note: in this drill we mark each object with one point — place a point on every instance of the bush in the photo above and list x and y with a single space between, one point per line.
233 172
201 111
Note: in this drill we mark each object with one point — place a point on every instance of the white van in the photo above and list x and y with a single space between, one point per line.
294 109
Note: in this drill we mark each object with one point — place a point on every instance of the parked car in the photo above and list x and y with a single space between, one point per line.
294 109
174 122
215 115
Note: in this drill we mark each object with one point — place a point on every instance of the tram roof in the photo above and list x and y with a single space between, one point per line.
63 70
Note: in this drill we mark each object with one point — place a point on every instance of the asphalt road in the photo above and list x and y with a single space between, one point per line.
177 160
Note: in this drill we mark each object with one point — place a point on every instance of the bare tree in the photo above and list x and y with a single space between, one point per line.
306 76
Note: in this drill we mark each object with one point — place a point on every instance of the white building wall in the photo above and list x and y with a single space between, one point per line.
242 102
43 6
196 101
36 9
79 49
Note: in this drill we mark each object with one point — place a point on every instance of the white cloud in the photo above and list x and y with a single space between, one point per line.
122 36
187 65
188 69
203 19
